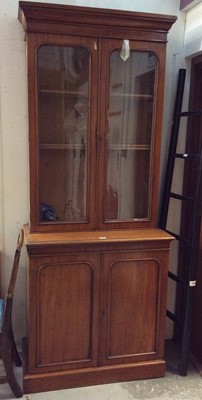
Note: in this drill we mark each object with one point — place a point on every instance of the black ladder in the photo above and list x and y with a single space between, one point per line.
187 236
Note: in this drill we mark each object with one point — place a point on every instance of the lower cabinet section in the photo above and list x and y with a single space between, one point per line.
96 313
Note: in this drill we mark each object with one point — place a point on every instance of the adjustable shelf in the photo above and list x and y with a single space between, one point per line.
142 147
54 146
53 92
132 95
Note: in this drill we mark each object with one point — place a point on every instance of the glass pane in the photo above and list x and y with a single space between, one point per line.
131 93
63 115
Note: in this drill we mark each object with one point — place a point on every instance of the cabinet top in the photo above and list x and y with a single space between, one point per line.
54 18
96 237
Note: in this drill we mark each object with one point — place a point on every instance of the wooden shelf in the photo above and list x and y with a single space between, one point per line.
75 146
63 146
129 147
132 95
62 92
84 94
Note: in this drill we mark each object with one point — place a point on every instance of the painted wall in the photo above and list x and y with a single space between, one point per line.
14 176
193 32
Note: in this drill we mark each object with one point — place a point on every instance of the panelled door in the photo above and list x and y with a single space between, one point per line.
133 306
64 293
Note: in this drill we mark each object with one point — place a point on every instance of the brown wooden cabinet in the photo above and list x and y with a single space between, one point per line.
96 307
97 262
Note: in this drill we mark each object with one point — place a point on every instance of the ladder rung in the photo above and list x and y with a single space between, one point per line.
181 197
175 278
180 238
188 156
173 317
187 113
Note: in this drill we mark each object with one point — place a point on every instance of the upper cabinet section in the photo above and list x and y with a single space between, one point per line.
95 80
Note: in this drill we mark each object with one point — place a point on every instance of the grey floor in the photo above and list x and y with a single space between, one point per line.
172 387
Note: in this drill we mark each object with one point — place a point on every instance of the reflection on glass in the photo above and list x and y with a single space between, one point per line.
131 93
63 98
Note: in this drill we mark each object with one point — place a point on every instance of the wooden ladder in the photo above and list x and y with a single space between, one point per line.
185 278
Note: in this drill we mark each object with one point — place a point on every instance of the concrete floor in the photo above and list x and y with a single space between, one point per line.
172 387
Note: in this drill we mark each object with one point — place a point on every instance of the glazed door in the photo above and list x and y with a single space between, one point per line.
63 85
128 134
133 306
64 295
